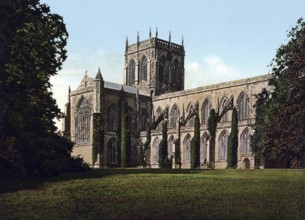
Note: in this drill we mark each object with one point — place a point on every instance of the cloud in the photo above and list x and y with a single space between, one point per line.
210 70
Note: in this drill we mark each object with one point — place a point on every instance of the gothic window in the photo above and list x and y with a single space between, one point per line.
162 71
223 145
129 118
131 73
203 147
144 118
111 118
224 102
205 111
82 121
190 109
174 116
143 69
245 142
155 149
175 73
112 151
187 148
158 113
170 146
243 107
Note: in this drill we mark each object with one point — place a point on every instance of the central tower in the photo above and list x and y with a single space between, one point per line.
154 65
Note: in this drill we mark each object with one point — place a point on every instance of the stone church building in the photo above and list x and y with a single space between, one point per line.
154 92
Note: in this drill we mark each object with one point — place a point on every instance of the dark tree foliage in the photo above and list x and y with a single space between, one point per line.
283 113
212 125
195 144
32 49
233 142
98 136
163 153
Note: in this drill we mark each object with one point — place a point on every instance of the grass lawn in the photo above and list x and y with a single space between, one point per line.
158 194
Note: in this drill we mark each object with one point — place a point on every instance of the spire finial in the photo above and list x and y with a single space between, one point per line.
156 32
138 37
169 36
126 42
150 32
182 43
86 73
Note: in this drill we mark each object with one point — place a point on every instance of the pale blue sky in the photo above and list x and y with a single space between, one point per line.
224 39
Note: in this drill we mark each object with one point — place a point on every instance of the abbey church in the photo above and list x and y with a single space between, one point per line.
153 96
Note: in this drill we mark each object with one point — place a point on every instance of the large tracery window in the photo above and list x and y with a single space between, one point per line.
223 104
189 110
245 142
131 73
155 149
203 147
243 107
129 118
187 148
223 145
205 111
111 119
82 121
162 71
174 116
175 73
143 69
158 113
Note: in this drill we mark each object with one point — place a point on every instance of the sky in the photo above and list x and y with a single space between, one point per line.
224 39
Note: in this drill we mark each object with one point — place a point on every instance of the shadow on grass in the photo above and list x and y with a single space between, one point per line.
16 184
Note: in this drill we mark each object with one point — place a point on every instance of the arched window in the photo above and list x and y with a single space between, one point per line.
144 118
205 111
143 69
158 113
155 149
223 103
174 116
82 121
162 71
111 118
175 73
129 118
243 106
170 146
131 73
223 145
203 147
187 148
190 109
112 152
245 142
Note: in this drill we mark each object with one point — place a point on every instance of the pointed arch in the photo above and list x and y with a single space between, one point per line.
204 147
243 106
131 72
223 103
223 145
112 152
155 150
143 69
187 149
162 73
82 121
170 146
205 111
157 114
112 118
175 73
245 142
174 116
189 109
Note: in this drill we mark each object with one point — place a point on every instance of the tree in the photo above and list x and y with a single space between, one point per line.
212 125
163 153
195 144
233 142
282 112
32 49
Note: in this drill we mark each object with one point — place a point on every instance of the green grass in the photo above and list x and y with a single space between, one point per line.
158 194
